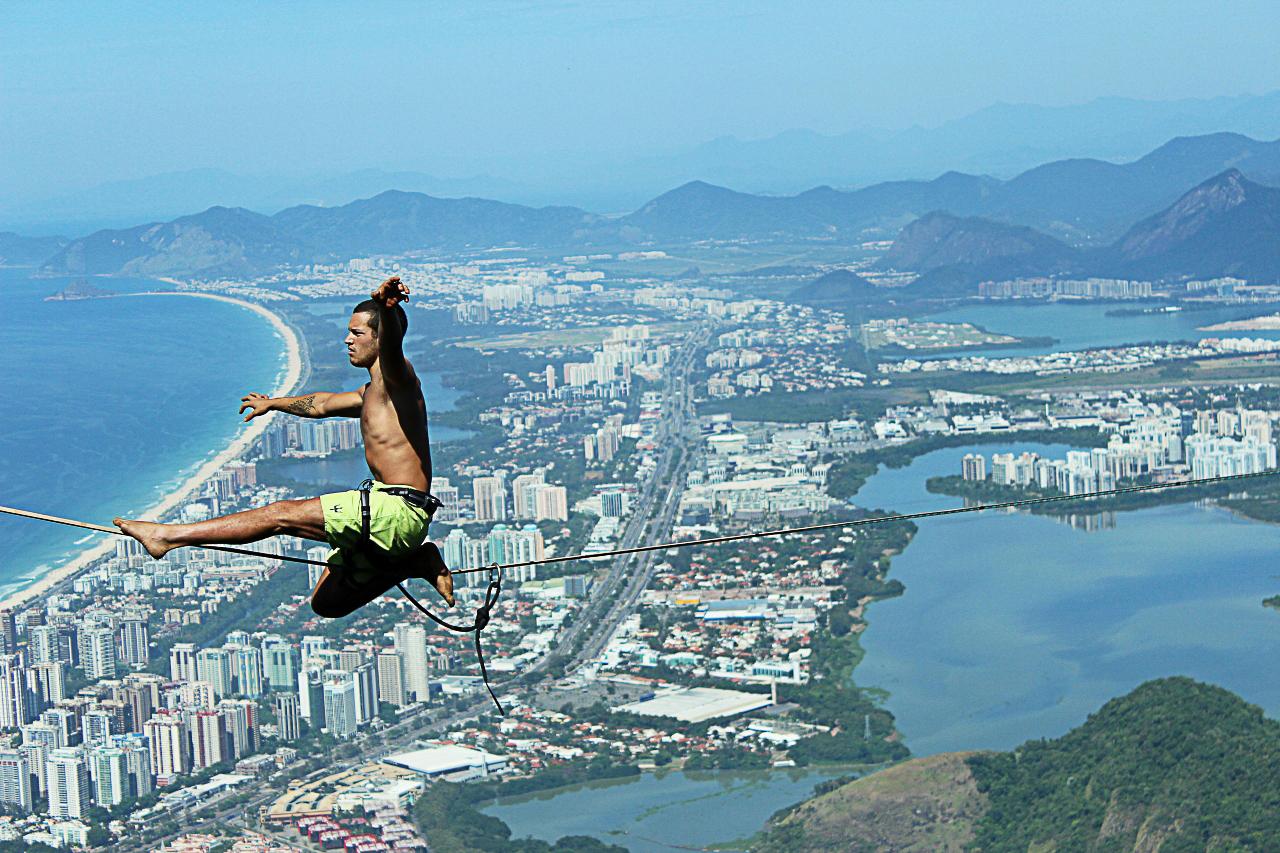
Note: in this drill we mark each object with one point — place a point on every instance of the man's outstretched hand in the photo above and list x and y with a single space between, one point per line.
391 292
258 404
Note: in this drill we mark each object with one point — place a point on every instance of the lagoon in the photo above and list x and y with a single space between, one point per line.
1016 626
1087 326
654 812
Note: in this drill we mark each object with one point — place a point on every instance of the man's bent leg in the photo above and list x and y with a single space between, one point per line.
303 518
337 594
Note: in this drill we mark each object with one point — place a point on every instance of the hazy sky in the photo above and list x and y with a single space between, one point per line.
100 91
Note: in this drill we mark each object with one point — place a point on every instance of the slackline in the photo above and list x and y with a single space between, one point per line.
715 540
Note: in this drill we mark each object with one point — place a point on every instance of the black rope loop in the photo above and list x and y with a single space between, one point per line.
478 624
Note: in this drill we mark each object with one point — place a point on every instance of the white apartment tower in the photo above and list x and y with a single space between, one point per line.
411 643
98 653
15 780
391 686
67 778
182 662
490 499
167 738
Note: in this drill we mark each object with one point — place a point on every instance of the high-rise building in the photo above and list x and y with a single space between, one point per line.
341 706
43 643
15 780
207 739
974 467
411 643
99 726
351 657
111 783
288 720
98 653
17 705
167 741
138 698
311 697
607 443
182 662
447 494
37 754
67 779
51 682
248 670
551 503
613 504
366 680
134 641
239 719
43 733
137 761
67 724
214 666
524 493
280 662
192 696
490 499
8 632
391 687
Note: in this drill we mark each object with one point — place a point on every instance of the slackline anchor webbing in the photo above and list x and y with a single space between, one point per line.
713 540
495 570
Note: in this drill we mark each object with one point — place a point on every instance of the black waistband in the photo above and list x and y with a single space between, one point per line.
411 496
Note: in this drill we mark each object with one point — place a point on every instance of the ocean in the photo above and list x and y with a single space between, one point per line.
109 403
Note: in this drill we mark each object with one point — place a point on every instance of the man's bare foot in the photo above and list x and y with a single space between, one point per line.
443 582
148 533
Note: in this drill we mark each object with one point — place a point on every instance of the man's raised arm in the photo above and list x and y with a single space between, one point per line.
391 330
320 404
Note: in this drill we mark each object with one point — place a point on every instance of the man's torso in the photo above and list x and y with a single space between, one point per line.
393 422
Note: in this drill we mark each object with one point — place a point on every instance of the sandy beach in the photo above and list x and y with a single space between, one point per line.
237 448
1270 322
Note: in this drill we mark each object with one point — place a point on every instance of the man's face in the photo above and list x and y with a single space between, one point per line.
361 341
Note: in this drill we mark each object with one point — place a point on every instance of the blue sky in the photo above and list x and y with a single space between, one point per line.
91 92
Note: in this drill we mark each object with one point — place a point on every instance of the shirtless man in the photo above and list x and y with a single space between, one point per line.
393 422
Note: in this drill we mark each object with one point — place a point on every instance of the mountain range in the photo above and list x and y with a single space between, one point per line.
1225 226
1085 207
1001 139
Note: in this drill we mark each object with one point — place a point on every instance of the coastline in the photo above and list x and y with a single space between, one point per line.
234 450
1267 322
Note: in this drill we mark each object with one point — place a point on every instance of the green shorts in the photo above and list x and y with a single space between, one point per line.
396 527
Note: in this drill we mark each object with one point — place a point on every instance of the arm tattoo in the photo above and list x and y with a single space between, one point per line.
303 406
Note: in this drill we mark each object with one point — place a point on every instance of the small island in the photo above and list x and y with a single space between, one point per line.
78 290
902 336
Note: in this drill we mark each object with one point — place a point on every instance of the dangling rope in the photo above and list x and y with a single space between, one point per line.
477 626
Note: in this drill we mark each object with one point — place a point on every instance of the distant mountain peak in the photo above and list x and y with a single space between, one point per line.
1227 225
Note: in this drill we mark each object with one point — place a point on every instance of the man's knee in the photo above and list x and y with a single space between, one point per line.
295 517
331 599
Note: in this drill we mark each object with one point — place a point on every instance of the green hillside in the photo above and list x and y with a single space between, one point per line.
1174 766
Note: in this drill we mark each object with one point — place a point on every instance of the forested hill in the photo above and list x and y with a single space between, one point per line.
1174 766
